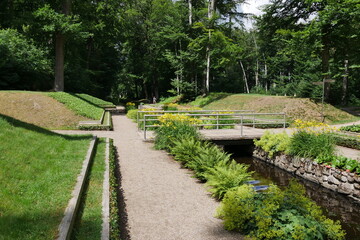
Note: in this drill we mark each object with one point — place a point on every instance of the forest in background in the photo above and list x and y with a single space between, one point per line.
135 49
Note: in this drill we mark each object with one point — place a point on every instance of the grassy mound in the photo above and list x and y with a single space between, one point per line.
82 107
38 109
295 108
38 170
94 100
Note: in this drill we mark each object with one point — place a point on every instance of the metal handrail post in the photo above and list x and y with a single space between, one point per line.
242 125
284 120
254 121
145 126
217 121
137 120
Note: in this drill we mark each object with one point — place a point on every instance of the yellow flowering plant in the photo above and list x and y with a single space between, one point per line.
314 127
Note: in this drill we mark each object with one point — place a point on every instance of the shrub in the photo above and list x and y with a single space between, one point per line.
276 214
350 142
310 145
353 128
226 176
186 148
166 134
130 106
132 114
273 143
170 107
207 158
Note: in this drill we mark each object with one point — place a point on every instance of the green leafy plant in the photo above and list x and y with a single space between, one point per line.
207 159
273 143
132 114
186 148
226 176
276 214
352 128
346 141
166 135
305 144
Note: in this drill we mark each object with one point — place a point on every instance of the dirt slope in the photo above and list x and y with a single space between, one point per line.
295 108
38 109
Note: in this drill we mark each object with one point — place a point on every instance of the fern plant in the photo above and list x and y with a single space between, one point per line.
185 149
225 176
207 159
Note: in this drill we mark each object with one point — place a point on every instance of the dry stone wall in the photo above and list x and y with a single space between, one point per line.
337 180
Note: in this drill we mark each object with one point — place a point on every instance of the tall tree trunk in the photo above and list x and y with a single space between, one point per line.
265 74
59 62
59 52
325 62
257 63
345 82
245 78
190 12
211 10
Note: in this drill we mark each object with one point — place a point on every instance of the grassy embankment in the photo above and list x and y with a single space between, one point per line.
295 108
38 170
51 110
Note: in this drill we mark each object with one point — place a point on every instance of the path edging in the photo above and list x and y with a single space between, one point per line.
105 233
68 220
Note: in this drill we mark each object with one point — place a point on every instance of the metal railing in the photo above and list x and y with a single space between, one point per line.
217 119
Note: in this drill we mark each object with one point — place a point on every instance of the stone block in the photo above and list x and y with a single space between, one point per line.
357 185
345 188
356 193
326 170
333 180
343 179
296 162
318 171
329 186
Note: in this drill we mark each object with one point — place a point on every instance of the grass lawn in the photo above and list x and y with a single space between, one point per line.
78 105
295 108
94 100
38 170
89 226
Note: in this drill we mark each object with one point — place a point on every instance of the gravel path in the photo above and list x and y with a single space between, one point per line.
163 200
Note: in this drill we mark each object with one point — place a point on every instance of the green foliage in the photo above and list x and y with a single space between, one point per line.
185 149
353 128
340 162
78 105
114 189
173 99
310 145
166 135
273 143
225 176
345 141
23 65
276 214
208 158
132 114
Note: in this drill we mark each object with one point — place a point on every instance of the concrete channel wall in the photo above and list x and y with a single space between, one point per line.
334 179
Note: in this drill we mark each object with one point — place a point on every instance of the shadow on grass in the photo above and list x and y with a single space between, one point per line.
212 97
31 127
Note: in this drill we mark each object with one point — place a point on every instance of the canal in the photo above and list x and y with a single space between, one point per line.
335 206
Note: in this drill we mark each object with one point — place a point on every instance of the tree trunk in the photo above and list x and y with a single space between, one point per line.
245 78
211 9
59 62
190 12
59 52
345 82
325 62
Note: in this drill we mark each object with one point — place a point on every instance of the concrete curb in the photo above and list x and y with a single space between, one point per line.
105 233
67 222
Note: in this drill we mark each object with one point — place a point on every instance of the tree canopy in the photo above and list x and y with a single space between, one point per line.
127 49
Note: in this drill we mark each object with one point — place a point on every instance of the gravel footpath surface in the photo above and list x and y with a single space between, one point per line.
163 200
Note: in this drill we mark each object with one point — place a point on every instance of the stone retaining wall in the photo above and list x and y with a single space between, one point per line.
331 178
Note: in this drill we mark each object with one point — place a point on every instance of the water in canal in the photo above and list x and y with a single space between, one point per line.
335 206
